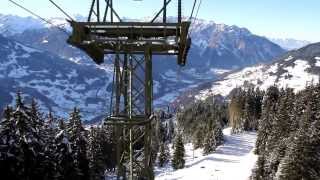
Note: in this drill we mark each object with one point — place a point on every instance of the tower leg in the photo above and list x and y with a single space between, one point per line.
132 114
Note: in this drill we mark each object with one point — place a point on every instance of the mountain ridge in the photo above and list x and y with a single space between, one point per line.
295 69
204 64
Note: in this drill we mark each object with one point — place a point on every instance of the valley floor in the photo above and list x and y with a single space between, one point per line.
233 160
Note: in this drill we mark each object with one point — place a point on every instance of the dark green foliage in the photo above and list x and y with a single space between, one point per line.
95 154
288 142
245 109
210 144
269 109
178 155
164 154
213 137
22 142
78 143
65 167
33 146
202 122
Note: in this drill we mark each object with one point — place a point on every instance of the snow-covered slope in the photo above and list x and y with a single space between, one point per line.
233 160
57 84
296 69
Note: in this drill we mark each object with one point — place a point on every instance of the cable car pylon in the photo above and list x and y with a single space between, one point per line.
132 45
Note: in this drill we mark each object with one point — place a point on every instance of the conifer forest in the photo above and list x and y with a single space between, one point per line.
35 145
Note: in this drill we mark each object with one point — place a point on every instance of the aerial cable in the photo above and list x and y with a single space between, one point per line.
198 9
41 18
195 17
194 5
61 10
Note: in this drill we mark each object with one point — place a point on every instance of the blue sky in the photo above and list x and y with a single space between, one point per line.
297 19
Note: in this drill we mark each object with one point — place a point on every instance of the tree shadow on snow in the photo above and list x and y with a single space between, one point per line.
236 146
212 159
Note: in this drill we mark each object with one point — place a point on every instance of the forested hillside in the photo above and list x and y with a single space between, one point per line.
202 123
288 142
37 146
288 124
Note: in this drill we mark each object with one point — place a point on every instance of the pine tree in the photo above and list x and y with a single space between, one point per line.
40 132
162 132
29 139
109 146
50 163
95 154
164 154
210 144
178 155
171 130
302 160
268 114
66 168
22 143
198 138
291 166
258 170
217 132
78 144
9 147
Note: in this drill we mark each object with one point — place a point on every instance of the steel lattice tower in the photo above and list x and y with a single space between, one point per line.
132 45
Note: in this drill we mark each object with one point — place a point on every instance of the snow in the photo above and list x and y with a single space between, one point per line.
72 74
167 98
299 76
156 87
219 71
19 72
264 76
251 74
289 58
318 61
25 48
232 160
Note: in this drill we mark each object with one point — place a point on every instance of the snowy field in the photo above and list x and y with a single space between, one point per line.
232 161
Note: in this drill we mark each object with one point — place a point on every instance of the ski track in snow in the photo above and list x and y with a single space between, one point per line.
234 160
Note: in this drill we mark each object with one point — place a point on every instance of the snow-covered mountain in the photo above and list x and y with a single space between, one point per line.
289 43
12 24
296 69
215 45
56 83
231 47
216 49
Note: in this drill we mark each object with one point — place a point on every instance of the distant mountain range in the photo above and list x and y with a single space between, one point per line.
296 69
56 83
290 44
216 49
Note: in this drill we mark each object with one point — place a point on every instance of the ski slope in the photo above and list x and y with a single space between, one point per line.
233 160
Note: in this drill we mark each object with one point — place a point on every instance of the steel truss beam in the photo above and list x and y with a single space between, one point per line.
132 115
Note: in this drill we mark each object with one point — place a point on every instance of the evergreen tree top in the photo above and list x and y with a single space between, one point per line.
19 100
